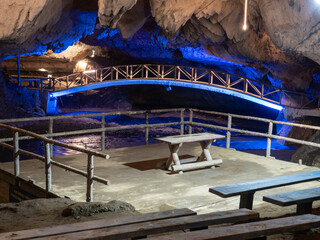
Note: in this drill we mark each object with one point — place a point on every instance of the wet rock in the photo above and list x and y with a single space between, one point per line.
78 210
38 213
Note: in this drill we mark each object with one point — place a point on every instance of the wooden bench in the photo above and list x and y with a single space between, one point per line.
246 190
250 230
302 198
204 160
135 229
97 224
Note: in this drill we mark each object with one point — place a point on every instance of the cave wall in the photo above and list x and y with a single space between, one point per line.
282 40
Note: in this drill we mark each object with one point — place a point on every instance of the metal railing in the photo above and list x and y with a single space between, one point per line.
102 129
180 73
269 132
47 159
229 128
185 121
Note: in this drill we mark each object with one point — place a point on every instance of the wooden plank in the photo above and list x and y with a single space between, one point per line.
160 226
195 165
97 224
295 197
249 230
189 138
237 189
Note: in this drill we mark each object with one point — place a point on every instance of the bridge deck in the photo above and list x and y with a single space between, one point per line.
136 177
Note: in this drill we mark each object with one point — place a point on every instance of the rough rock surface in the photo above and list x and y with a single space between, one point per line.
286 45
309 155
49 212
283 46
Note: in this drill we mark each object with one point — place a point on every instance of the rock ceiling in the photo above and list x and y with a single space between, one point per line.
282 40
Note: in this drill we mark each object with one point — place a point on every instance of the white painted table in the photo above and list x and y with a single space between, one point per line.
204 160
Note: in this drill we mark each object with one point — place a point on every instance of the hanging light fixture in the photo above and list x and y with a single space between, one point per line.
245 27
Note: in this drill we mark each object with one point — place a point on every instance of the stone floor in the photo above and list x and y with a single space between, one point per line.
137 177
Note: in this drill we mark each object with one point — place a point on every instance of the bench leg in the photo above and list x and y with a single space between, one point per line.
199 228
246 200
174 158
304 208
205 145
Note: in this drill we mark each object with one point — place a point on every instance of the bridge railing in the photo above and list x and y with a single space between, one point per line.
190 74
174 73
47 158
209 77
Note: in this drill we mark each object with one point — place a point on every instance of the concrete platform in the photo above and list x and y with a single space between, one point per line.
137 177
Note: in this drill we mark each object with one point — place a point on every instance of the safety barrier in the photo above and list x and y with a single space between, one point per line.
190 121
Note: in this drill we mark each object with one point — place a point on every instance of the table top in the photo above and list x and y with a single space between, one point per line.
189 138
262 184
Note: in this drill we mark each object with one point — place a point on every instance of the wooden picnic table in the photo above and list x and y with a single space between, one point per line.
204 160
246 190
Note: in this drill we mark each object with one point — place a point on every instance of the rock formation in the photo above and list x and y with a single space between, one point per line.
282 38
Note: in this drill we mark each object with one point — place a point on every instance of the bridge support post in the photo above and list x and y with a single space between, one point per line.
51 105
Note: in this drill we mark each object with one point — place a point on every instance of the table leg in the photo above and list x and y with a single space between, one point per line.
205 154
246 200
174 158
304 208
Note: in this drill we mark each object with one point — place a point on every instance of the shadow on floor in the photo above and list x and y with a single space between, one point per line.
153 164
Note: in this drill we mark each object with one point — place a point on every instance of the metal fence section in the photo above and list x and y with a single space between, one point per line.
268 134
47 159
186 119
209 77
181 114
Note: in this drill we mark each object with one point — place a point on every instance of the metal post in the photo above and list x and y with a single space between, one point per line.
182 121
147 128
50 132
89 178
16 156
190 121
268 153
103 133
48 167
18 66
229 132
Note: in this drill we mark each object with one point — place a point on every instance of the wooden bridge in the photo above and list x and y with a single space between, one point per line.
168 75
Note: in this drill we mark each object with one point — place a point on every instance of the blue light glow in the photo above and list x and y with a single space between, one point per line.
166 83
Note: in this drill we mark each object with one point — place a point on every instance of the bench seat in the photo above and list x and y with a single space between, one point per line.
142 229
303 199
97 224
249 230
246 190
